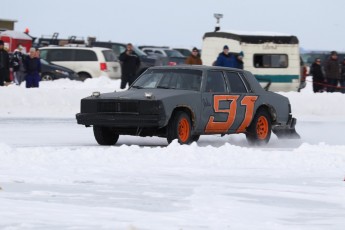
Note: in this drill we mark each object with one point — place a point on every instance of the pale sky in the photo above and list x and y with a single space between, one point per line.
318 24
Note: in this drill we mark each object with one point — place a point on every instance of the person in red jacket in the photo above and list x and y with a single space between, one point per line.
194 58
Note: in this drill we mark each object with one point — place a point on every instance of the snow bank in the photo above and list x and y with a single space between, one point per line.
60 98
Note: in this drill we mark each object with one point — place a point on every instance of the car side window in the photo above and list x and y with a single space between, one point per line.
236 83
85 55
158 52
59 55
215 82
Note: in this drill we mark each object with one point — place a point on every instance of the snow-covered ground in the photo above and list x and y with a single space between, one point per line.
53 175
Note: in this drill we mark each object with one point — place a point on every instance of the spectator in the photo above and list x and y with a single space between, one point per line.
194 58
332 72
318 78
130 63
18 65
226 59
4 64
38 53
33 69
342 77
240 64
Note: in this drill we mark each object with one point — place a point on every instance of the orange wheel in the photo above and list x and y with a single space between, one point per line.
262 128
259 131
183 129
180 128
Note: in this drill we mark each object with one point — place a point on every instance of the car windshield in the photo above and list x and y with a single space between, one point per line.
173 53
182 79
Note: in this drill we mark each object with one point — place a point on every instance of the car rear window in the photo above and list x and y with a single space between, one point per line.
85 55
109 55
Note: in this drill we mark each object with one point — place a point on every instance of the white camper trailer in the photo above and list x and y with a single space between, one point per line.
273 58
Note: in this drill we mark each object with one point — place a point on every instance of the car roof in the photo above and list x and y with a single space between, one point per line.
197 67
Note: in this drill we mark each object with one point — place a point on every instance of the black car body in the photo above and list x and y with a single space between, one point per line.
184 102
50 71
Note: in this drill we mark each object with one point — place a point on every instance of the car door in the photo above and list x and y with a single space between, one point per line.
86 61
228 104
217 106
243 101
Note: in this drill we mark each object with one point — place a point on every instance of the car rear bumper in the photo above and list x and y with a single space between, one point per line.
120 120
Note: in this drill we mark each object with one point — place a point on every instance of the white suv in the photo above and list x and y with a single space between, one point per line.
87 62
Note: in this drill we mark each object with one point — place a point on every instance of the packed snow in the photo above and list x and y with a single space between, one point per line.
53 174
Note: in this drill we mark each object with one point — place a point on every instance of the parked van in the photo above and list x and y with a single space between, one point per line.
85 61
273 59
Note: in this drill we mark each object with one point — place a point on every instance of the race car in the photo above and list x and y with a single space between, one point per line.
184 102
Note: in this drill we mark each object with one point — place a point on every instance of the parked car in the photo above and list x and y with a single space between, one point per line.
170 57
87 62
183 51
146 61
184 102
50 71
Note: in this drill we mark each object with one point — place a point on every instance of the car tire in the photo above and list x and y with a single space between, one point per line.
84 76
47 77
259 131
195 138
180 127
105 135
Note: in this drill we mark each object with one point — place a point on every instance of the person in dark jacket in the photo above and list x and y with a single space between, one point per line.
226 59
240 63
318 78
130 63
33 69
4 64
342 77
194 58
332 72
18 65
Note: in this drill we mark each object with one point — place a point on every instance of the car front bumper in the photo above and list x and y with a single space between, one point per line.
120 120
